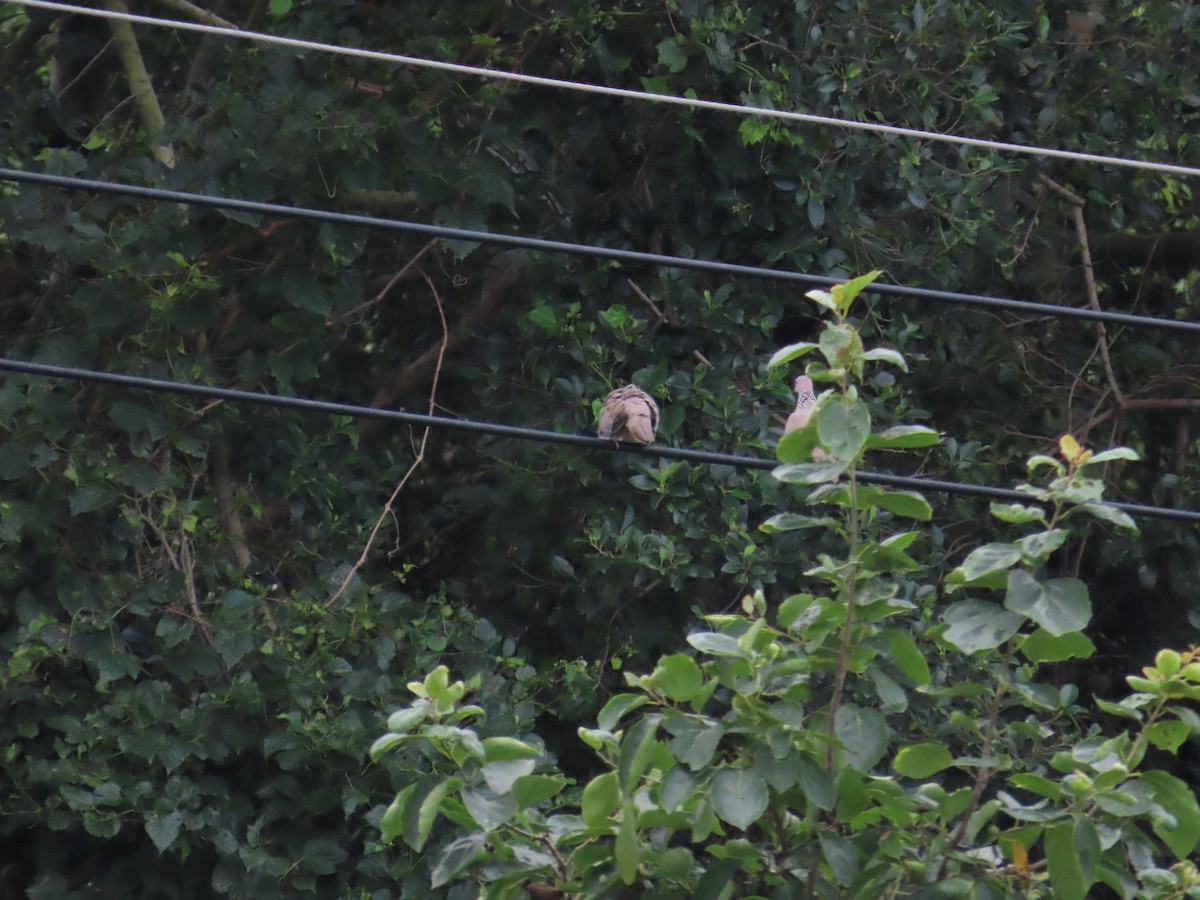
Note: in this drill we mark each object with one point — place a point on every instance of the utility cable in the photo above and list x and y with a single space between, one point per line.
978 301
624 93
324 407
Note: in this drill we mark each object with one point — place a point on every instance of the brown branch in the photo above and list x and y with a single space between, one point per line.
1136 404
420 457
494 294
658 313
1089 279
140 85
195 12
387 287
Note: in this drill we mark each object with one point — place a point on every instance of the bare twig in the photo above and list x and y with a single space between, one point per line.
62 92
1089 278
387 287
658 313
420 457
701 358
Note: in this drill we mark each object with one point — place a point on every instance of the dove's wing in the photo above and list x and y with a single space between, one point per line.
629 414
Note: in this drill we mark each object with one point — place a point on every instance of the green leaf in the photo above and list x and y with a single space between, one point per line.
908 657
323 855
844 294
1042 646
908 504
600 799
864 736
1115 453
671 56
1066 872
678 677
1108 514
422 807
1179 802
163 829
617 707
888 355
1037 547
392 823
635 752
790 352
797 446
841 856
979 625
408 718
811 473
792 521
921 760
503 774
1018 514
532 789
716 644
816 783
1059 605
497 749
843 426
488 811
903 437
984 561
280 7
456 856
739 796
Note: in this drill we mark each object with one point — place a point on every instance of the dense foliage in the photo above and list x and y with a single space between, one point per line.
184 712
757 767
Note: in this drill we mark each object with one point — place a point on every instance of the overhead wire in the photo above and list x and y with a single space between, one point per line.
624 93
977 301
324 407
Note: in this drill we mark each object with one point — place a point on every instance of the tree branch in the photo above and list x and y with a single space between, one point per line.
195 12
1089 279
140 86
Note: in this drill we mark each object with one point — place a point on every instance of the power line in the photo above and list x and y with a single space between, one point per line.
977 301
624 93
325 407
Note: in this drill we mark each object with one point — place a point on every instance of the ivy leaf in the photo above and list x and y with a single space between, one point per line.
1042 646
322 855
163 829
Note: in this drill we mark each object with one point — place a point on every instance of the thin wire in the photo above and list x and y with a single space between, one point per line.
325 407
978 301
645 96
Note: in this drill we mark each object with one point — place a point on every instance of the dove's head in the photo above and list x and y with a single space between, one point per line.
804 385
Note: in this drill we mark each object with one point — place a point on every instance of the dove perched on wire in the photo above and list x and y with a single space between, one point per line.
806 405
629 414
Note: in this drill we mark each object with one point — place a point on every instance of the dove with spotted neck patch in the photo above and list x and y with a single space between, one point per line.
806 405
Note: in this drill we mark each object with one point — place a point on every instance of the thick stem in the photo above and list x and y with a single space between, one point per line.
839 678
140 86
